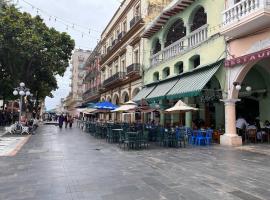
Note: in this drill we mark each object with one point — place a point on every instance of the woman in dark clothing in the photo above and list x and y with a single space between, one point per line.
61 120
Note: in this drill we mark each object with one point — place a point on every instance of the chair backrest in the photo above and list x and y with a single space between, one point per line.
251 132
209 133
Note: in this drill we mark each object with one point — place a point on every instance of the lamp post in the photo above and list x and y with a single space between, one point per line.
22 91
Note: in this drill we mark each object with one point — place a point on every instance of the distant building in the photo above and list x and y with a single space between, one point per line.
92 77
77 62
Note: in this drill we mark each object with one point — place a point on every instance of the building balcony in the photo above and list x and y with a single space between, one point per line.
120 35
134 21
114 42
245 17
181 46
133 69
92 92
117 77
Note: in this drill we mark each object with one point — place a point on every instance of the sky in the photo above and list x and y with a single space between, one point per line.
83 20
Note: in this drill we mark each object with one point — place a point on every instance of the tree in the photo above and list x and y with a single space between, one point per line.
30 52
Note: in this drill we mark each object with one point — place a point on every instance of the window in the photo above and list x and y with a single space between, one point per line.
124 28
156 76
116 68
176 32
157 47
110 72
199 19
123 65
111 41
179 67
137 11
165 72
236 1
136 56
195 61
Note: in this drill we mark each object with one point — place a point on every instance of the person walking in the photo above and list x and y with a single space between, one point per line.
61 120
70 120
66 120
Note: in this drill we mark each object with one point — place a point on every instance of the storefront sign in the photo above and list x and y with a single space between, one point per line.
248 58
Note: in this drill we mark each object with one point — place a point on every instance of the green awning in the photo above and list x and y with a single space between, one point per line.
191 83
161 90
143 93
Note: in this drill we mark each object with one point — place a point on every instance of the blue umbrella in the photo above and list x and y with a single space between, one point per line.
105 105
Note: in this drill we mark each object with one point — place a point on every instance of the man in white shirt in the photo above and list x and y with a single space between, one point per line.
241 124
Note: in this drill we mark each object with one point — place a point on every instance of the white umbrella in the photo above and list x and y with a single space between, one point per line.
89 110
180 106
124 108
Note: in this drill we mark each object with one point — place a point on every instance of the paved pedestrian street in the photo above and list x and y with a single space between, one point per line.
69 164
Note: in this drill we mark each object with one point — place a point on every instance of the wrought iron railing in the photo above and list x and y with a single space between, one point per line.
135 67
116 77
134 21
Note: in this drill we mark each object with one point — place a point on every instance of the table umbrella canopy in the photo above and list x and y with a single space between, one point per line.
125 108
129 105
180 106
105 105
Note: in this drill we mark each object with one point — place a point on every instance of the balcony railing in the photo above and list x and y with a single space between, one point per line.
114 42
133 68
120 35
91 92
134 21
243 9
180 46
116 77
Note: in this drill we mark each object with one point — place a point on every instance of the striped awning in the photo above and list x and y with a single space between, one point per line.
143 93
172 9
192 83
161 90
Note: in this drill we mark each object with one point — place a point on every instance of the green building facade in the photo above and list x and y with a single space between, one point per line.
183 59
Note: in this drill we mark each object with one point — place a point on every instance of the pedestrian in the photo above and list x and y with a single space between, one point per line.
66 120
61 120
70 120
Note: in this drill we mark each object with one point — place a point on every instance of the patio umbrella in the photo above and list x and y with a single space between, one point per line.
127 106
181 107
105 105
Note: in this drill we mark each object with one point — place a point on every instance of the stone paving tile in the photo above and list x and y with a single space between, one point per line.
65 164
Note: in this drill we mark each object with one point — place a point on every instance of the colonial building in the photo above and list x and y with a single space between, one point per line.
184 60
246 27
92 77
74 98
123 49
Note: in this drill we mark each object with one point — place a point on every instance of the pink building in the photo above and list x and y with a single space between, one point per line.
246 27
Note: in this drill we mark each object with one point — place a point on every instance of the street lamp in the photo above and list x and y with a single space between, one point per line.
22 91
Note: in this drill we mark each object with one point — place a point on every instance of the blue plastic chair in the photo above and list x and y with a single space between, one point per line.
200 139
208 136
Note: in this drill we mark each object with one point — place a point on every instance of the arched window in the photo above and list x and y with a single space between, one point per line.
199 19
179 67
195 61
156 76
157 47
125 97
176 32
165 72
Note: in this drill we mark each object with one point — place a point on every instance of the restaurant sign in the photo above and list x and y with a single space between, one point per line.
248 58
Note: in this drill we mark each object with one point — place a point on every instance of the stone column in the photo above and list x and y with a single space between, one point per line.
230 138
188 117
